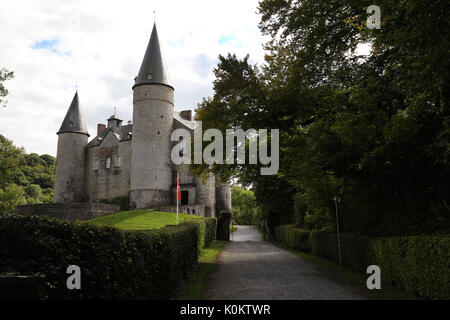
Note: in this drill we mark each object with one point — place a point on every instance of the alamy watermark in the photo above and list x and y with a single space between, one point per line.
374 20
374 280
74 280
214 151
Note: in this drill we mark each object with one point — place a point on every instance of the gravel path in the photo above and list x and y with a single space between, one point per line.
253 269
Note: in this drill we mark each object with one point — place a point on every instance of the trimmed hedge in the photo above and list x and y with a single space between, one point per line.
353 247
418 264
115 264
207 230
296 238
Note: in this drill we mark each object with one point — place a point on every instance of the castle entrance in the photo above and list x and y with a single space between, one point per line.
184 198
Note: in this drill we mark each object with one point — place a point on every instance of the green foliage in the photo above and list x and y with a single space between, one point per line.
10 197
316 221
300 206
353 246
33 173
244 206
207 231
372 129
10 157
115 264
296 238
4 75
140 219
418 264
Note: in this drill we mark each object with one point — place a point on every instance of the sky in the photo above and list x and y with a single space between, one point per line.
55 47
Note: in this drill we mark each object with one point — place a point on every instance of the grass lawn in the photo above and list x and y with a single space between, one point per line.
140 219
387 292
194 288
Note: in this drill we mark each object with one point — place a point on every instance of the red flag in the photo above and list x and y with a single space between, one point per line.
178 186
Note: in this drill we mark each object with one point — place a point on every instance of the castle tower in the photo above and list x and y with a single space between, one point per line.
72 140
151 174
223 197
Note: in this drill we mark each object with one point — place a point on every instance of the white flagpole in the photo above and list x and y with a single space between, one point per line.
178 182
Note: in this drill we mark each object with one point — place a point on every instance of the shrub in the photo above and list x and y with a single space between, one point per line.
223 225
418 264
316 221
296 238
300 208
114 264
353 246
207 230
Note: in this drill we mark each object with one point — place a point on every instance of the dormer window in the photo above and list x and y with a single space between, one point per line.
70 124
149 76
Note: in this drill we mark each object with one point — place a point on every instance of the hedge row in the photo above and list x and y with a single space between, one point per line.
353 247
114 264
207 230
418 264
296 238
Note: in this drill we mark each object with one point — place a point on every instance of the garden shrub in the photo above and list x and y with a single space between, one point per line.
115 264
300 208
296 238
418 264
207 230
353 246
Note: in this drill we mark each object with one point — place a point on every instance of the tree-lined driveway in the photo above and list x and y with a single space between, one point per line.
250 268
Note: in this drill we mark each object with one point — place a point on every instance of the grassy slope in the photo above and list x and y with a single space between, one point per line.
141 219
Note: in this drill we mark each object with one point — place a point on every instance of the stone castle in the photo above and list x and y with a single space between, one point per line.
134 159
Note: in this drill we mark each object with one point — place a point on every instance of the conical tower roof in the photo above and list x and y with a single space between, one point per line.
74 120
153 68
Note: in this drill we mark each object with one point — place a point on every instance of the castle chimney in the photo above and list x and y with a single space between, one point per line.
186 115
100 128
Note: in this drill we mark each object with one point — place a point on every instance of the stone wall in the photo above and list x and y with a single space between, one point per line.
69 211
69 172
109 183
198 210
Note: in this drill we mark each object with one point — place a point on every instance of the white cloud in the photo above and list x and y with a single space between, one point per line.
99 46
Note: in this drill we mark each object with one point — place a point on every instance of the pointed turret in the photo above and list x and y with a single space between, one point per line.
153 68
74 120
72 141
151 176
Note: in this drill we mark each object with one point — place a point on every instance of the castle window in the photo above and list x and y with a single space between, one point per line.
108 163
118 160
95 164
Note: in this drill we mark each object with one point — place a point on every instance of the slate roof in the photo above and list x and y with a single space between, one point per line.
74 120
125 131
153 68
